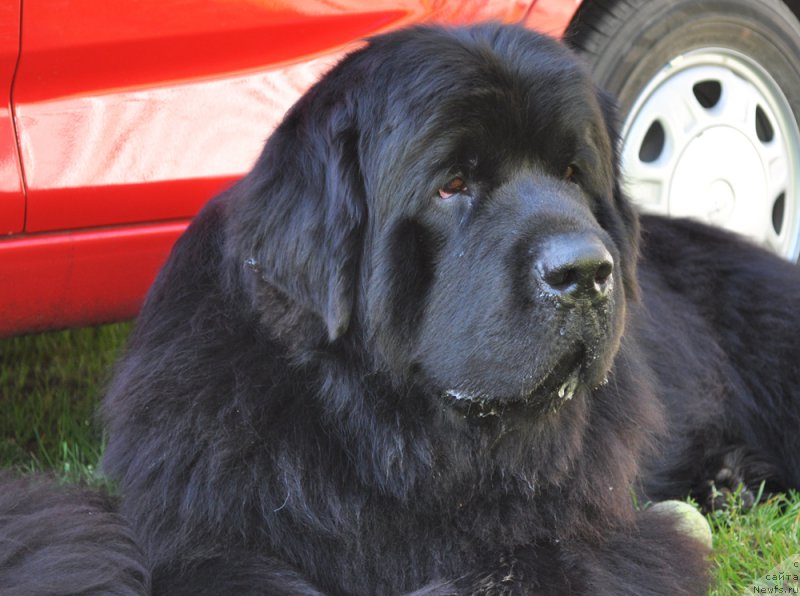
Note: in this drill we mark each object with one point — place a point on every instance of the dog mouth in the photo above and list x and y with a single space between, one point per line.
553 389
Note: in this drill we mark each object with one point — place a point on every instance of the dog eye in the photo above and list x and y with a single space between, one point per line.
453 187
570 172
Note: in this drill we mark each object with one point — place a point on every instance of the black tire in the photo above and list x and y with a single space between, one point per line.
628 44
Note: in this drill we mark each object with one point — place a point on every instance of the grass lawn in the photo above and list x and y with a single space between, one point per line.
50 386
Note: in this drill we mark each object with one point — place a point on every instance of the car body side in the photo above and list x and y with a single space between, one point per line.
122 119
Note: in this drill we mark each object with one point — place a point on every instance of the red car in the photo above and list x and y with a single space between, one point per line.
122 118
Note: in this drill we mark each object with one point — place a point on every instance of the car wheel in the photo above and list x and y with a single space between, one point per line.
709 93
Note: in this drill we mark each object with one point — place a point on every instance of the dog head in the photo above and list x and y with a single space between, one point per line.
450 199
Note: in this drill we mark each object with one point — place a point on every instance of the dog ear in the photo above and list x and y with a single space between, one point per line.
624 224
296 220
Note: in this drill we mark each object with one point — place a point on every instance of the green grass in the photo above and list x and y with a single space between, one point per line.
50 386
750 544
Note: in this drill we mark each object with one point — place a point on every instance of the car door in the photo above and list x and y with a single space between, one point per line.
131 114
12 200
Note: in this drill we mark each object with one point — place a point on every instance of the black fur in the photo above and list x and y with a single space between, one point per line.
65 540
343 383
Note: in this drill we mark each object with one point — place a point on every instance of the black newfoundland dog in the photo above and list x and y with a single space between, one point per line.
424 347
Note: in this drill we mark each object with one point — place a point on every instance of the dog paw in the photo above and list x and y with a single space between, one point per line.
726 483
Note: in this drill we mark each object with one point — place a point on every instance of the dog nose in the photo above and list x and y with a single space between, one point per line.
575 266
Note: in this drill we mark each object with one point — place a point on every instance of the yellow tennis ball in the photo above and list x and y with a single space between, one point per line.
690 520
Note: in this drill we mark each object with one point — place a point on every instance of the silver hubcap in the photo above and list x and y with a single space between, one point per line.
712 137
